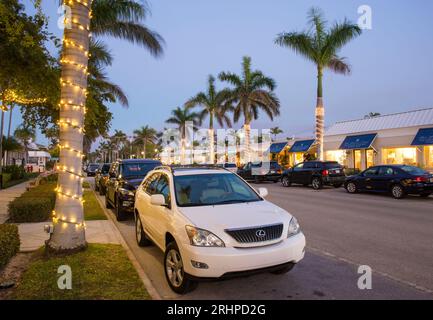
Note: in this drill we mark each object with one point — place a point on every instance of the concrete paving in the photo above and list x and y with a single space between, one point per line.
33 236
7 195
343 231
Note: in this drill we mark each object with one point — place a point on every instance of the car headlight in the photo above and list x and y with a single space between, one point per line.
203 238
294 227
126 192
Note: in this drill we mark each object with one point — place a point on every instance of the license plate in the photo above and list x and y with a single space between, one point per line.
273 171
337 171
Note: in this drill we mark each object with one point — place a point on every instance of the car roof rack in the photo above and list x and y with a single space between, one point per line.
175 167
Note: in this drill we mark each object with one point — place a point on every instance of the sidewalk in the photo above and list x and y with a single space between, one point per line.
33 236
7 195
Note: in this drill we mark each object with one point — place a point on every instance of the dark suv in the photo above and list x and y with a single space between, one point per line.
316 173
101 178
91 169
124 177
258 171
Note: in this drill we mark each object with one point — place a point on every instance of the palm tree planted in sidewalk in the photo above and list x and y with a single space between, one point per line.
180 117
321 46
119 19
252 92
145 136
214 105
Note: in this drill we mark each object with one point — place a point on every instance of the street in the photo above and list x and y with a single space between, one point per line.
343 231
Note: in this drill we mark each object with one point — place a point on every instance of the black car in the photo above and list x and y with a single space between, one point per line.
258 171
316 173
101 177
91 169
399 180
124 177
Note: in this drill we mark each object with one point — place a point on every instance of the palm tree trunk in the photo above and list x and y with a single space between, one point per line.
247 129
1 137
69 234
211 139
320 115
9 130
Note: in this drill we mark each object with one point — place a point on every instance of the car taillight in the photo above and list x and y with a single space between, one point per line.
325 172
420 179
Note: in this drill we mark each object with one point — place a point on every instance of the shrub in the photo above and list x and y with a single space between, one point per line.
6 177
9 242
17 172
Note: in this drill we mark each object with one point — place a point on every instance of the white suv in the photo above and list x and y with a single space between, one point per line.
212 224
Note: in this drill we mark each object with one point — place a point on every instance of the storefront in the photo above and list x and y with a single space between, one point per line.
301 150
402 138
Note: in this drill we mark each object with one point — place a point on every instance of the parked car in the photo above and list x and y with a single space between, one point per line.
211 224
315 173
230 166
399 180
91 169
101 178
259 171
124 177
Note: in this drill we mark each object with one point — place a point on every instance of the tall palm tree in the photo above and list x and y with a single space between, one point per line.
276 131
214 105
252 91
119 19
321 46
145 136
180 117
25 134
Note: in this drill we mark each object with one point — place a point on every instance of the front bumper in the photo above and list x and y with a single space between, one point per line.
126 203
230 260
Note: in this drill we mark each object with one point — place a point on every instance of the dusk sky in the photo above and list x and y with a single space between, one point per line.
392 64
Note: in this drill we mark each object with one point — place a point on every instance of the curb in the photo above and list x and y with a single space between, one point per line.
141 273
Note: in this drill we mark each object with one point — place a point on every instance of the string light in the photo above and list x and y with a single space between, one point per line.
69 123
13 97
57 219
70 83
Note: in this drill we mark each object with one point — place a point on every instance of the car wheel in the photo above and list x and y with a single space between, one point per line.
337 185
174 273
317 183
107 202
285 181
284 269
120 213
397 191
140 235
351 187
425 195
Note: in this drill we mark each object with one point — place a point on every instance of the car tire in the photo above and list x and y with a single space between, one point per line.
284 269
316 183
397 191
107 202
140 235
285 181
120 213
351 187
425 195
337 185
175 275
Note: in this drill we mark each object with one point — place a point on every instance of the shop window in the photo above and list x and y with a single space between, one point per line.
400 156
428 155
357 159
369 157
337 155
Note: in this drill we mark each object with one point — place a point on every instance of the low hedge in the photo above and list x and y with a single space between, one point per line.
5 178
9 243
34 205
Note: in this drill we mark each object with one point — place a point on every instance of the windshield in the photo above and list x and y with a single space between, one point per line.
212 189
93 166
137 169
413 170
331 165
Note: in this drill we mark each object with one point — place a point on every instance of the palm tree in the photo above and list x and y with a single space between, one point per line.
252 91
276 131
213 104
25 134
180 117
321 46
144 136
119 19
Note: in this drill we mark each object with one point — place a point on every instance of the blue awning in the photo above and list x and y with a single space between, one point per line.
277 147
363 141
301 146
423 137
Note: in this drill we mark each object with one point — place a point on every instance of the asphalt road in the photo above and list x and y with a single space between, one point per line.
393 237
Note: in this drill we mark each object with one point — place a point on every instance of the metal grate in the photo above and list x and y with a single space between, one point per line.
256 234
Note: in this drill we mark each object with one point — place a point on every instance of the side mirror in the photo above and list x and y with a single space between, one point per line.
157 200
263 192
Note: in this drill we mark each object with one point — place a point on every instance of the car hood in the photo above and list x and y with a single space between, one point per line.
239 215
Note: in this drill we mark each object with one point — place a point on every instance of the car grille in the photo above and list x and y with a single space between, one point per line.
257 234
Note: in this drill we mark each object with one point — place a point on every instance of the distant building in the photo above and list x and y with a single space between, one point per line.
37 160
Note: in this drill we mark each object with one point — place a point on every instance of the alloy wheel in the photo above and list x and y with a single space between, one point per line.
316 183
397 191
351 187
138 229
174 268
285 181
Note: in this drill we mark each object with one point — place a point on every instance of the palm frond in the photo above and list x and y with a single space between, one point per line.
339 65
301 43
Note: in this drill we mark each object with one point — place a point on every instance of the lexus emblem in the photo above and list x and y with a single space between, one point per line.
260 233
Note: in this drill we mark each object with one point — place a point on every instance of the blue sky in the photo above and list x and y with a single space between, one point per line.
392 63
